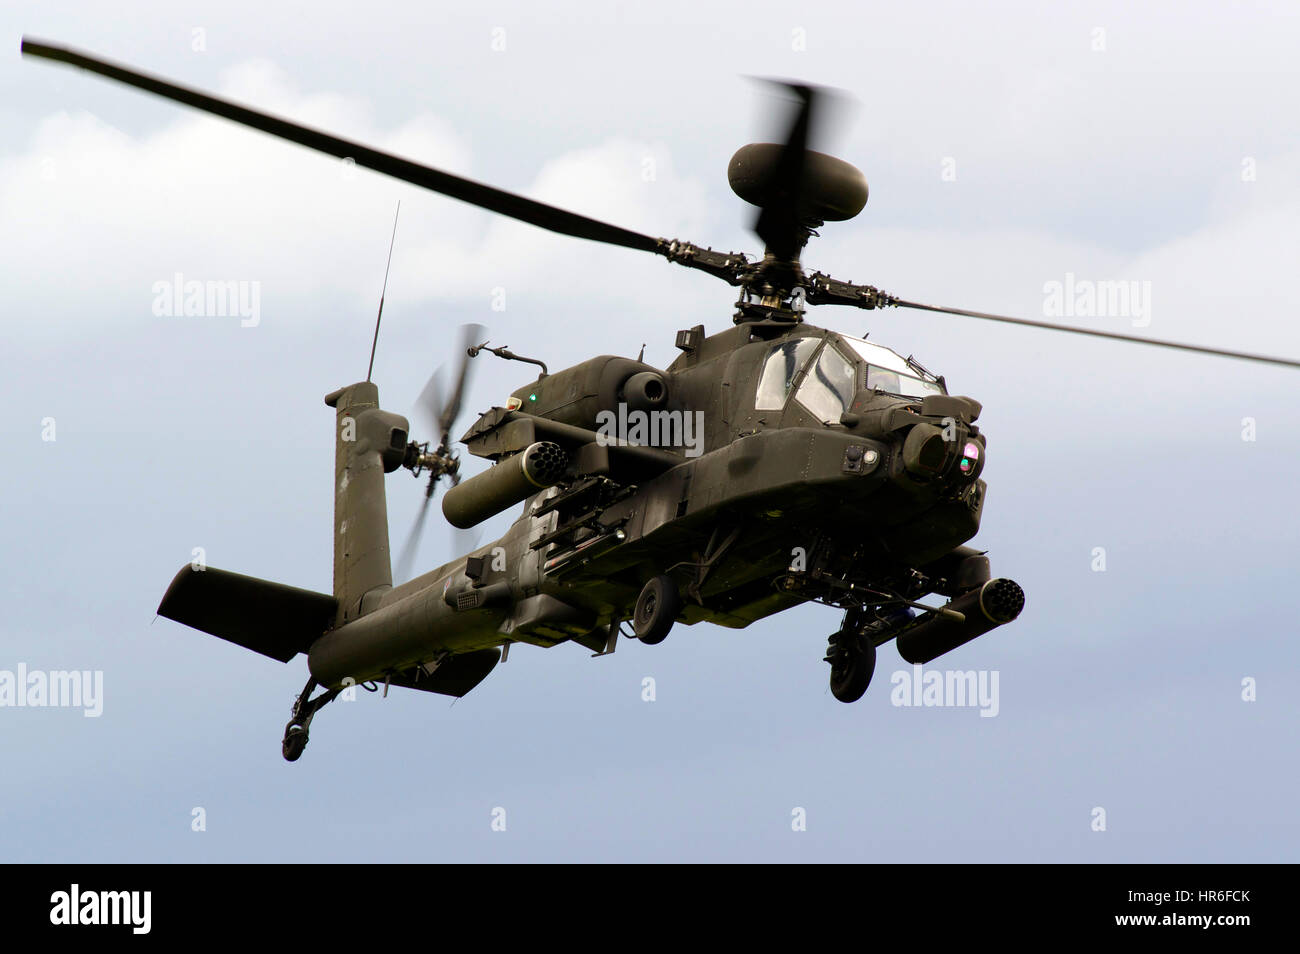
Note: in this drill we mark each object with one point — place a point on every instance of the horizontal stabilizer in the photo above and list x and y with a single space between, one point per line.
269 618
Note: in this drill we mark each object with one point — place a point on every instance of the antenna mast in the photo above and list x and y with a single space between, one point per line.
375 343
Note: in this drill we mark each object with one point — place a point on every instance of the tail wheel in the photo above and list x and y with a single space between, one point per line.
852 666
656 610
295 740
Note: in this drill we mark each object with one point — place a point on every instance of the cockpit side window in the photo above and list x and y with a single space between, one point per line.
779 369
829 387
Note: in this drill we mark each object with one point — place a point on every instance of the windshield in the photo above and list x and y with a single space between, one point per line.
781 365
890 372
828 388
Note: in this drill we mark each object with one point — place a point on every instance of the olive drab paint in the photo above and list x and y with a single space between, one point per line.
804 465
368 443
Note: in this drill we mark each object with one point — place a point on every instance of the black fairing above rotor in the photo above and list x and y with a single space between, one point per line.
796 190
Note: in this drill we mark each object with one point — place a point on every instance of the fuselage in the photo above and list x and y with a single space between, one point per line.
787 445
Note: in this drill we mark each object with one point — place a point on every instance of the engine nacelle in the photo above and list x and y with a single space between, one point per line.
578 394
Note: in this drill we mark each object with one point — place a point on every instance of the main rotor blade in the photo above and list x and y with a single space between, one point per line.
779 224
486 197
1221 352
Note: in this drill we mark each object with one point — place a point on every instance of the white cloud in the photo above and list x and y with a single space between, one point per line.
100 216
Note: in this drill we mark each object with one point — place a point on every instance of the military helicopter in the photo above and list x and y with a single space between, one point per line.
772 464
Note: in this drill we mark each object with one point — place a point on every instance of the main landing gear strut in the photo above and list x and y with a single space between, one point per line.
304 710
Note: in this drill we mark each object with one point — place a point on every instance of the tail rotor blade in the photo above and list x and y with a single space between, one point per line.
462 542
470 335
406 562
429 404
465 541
439 407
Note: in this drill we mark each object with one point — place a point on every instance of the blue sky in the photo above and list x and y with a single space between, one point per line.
1119 689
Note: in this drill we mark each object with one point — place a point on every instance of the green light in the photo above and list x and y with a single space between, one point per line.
532 397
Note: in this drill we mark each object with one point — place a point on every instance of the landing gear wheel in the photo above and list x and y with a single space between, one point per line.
295 740
852 665
656 610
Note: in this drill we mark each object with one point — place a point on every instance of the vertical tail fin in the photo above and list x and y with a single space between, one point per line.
369 443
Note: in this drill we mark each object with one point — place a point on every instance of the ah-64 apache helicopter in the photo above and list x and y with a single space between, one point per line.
833 470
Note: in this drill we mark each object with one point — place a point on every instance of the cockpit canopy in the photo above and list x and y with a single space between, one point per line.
834 368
